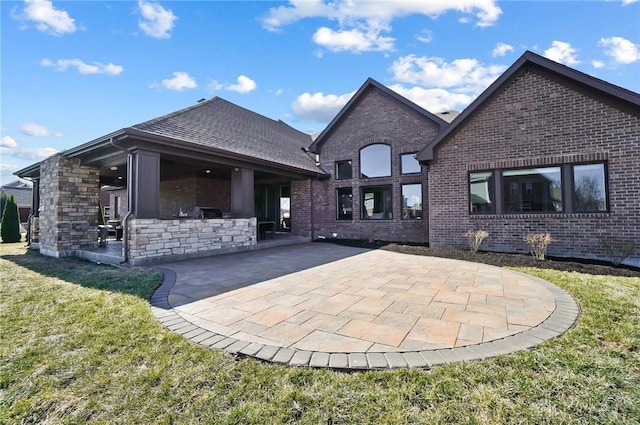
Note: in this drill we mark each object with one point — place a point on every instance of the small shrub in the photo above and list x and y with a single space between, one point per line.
618 249
475 238
10 226
538 243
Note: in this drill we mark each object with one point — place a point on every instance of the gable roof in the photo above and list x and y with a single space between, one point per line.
618 96
371 83
223 126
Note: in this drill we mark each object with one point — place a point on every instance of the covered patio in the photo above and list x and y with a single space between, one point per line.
209 179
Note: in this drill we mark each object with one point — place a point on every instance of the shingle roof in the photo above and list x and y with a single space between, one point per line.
22 192
222 125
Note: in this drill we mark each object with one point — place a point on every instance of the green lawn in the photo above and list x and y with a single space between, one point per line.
78 344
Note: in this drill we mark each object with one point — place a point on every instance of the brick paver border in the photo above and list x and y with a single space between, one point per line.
559 321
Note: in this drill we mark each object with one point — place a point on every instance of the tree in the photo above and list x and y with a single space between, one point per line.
3 200
10 226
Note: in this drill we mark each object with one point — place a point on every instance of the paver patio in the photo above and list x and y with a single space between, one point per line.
326 305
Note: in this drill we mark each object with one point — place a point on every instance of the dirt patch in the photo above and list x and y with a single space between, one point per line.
497 258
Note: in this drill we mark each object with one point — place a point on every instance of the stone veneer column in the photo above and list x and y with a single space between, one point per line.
69 199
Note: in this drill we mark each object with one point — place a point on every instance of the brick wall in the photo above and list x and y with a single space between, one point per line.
301 207
537 121
187 193
69 197
155 240
374 118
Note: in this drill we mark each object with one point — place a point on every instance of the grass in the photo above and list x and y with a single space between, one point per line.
78 344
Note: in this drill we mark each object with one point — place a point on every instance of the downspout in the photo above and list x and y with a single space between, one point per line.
125 219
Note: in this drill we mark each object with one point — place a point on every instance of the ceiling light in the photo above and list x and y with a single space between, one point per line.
119 177
207 171
114 168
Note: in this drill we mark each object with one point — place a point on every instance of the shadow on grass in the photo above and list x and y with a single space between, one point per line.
136 281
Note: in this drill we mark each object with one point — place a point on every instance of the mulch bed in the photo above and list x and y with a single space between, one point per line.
498 259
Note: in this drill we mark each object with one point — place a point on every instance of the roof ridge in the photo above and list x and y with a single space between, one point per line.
176 113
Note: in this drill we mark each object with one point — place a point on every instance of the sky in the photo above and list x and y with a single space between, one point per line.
74 71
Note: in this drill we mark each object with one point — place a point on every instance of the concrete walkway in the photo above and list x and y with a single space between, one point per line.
325 305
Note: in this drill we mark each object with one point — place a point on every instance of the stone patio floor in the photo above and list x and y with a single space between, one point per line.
326 305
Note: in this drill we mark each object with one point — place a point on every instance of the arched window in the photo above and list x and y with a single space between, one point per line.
375 161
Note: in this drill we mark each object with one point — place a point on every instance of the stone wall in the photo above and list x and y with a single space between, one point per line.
374 118
538 121
69 203
156 241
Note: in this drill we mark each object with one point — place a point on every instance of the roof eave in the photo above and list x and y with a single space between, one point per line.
370 82
624 95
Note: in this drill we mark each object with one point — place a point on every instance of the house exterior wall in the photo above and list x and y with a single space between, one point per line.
69 195
375 118
187 193
301 193
535 121
155 240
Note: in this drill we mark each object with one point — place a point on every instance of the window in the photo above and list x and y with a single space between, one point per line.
343 170
589 193
409 164
344 204
377 203
568 188
375 161
412 201
532 190
481 192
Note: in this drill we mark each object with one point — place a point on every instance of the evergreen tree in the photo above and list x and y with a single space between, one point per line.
3 200
10 226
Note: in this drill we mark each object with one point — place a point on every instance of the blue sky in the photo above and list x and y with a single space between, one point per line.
73 71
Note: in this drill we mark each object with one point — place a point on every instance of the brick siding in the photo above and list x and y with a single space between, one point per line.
374 118
536 121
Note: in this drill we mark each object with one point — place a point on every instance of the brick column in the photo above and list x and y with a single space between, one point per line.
69 199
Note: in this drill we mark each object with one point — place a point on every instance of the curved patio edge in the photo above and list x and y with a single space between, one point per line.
562 319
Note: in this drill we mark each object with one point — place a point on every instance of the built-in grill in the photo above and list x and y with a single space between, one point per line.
206 212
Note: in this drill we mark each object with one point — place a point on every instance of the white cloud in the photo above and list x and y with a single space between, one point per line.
628 2
434 100
31 154
562 52
37 130
244 85
156 22
352 40
8 142
318 106
47 18
501 49
597 64
621 50
83 67
361 23
464 75
180 81
425 36
376 13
